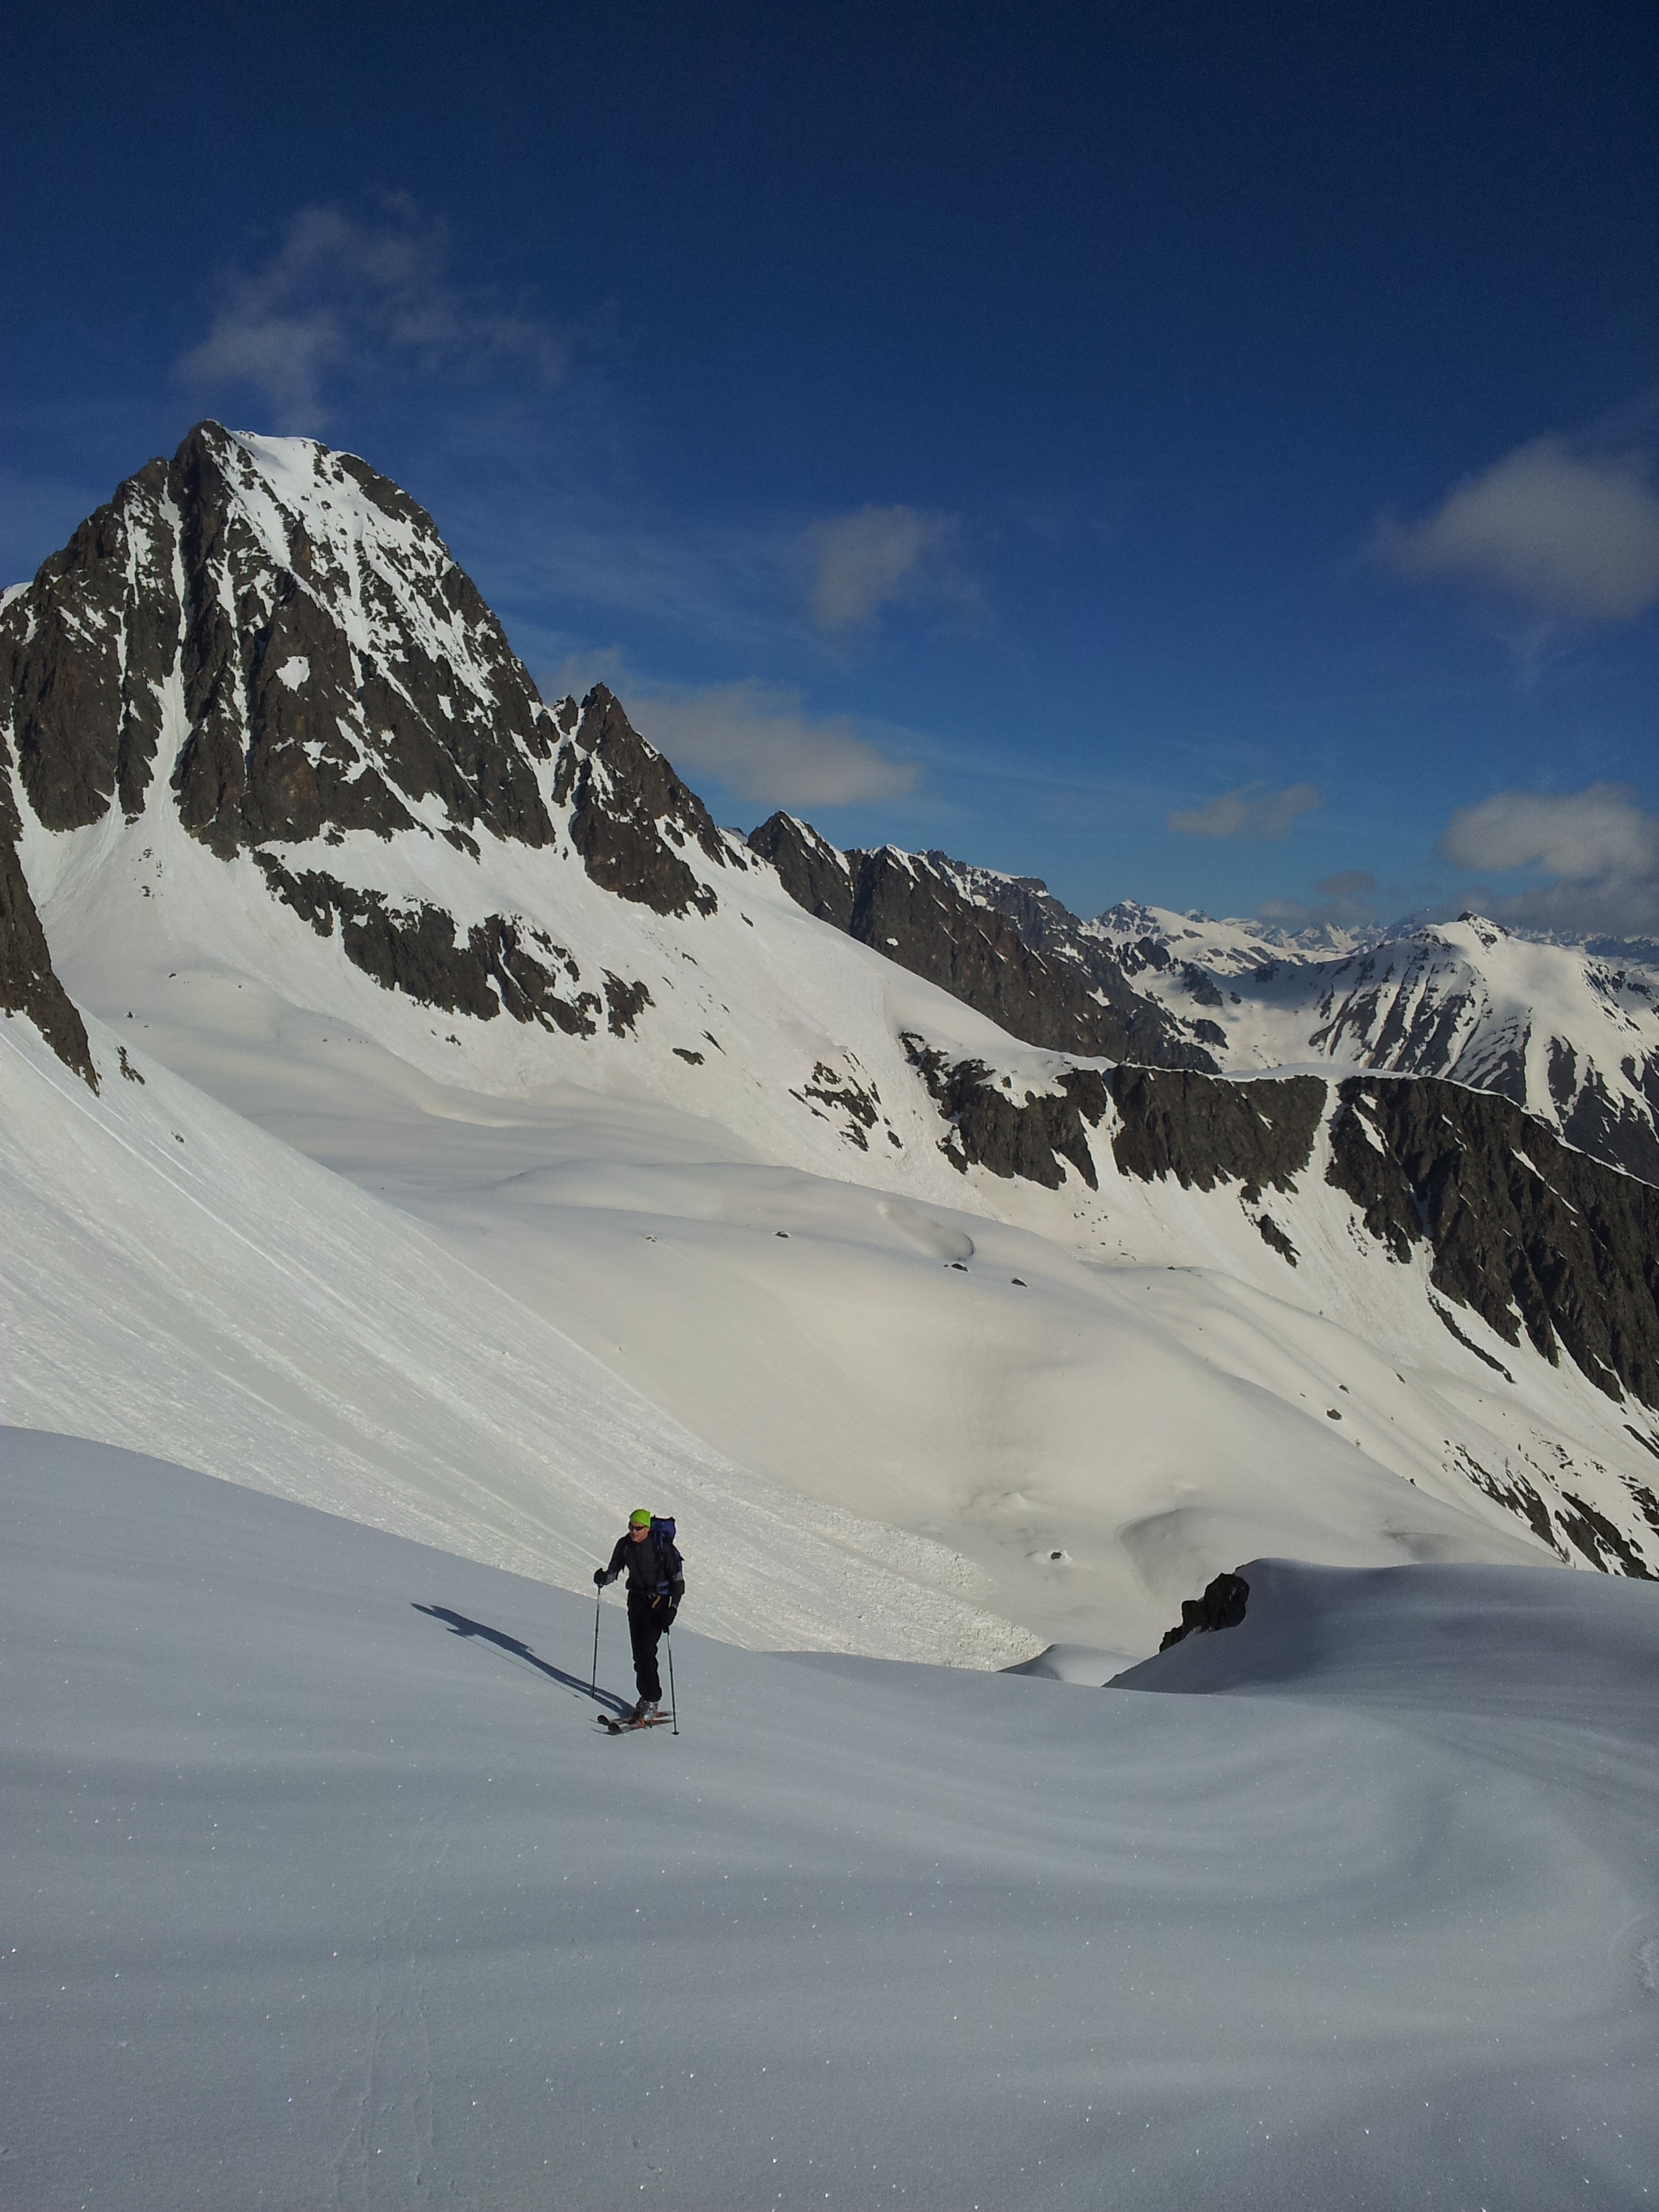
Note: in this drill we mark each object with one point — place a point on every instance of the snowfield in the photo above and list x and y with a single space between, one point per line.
323 1888
493 1323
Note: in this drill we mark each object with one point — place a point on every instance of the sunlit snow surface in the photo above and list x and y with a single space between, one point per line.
316 1897
498 1324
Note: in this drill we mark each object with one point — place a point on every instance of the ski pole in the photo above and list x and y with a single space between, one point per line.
673 1706
593 1687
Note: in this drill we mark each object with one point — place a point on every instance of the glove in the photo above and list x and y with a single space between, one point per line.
599 1578
668 1616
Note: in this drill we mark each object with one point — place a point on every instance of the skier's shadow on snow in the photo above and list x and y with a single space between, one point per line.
458 1625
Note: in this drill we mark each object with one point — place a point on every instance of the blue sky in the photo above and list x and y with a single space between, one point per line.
1198 453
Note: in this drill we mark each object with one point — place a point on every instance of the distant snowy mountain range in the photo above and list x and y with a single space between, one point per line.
879 1191
1569 1032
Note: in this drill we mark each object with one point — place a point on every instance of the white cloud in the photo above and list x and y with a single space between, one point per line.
1597 851
1573 533
1253 811
753 737
340 294
881 556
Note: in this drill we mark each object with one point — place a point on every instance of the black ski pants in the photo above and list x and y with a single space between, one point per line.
645 1633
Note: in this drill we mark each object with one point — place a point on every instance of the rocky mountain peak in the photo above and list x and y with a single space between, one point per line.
324 665
631 817
273 641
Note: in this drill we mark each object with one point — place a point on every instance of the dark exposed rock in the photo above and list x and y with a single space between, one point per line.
29 981
329 681
291 728
1222 1606
1516 1493
1524 1231
1200 986
1028 1137
1203 1131
1274 1236
413 951
843 1094
1600 1540
1101 962
1618 1132
912 908
526 983
814 873
1469 1342
630 812
84 652
623 1004
1421 1004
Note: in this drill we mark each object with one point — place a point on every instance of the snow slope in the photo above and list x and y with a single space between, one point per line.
323 1889
390 1330
177 1279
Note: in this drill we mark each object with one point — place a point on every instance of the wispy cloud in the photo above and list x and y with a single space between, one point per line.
1342 901
1595 853
1254 810
857 564
756 738
343 296
1573 533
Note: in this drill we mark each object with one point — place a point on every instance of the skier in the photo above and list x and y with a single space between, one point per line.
656 1583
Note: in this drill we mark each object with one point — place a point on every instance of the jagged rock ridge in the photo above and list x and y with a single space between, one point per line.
913 908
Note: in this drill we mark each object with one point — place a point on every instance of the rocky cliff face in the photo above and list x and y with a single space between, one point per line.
1538 1239
1532 1235
283 635
1571 1038
29 981
914 908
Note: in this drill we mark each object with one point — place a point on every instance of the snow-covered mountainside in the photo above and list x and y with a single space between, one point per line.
1568 1031
1224 948
1571 1036
292 835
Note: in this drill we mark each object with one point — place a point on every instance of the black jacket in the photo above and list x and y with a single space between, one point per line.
647 1568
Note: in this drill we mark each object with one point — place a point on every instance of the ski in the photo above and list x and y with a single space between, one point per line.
633 1727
